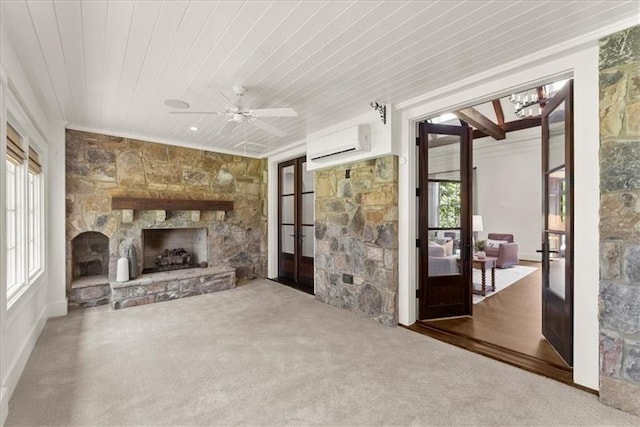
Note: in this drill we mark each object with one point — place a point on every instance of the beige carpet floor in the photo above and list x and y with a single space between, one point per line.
266 354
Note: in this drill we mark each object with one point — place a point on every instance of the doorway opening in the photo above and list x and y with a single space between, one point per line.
514 229
296 212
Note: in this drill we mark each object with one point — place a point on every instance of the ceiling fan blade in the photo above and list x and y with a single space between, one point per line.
268 127
213 113
228 127
273 112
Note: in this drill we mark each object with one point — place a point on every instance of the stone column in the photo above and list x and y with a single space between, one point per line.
356 255
620 220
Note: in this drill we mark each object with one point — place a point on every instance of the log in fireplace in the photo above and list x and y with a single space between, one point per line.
173 248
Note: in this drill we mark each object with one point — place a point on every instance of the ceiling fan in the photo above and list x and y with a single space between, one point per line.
238 114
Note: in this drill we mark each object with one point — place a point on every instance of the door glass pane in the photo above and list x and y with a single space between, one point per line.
307 241
445 205
444 157
308 208
557 200
444 253
307 178
288 239
557 248
556 137
287 209
287 179
444 181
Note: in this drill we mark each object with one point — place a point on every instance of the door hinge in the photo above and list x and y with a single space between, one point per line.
418 293
417 140
417 192
417 243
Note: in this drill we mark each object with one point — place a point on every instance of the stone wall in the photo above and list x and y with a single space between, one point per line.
620 220
99 167
356 261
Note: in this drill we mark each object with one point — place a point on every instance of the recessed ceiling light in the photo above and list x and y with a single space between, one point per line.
176 103
193 128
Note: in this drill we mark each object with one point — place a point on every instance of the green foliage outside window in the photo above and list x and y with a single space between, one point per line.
449 206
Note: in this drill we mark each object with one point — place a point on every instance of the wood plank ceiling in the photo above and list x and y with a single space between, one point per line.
108 66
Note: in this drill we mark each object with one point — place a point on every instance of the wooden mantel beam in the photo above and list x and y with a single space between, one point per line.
481 122
170 204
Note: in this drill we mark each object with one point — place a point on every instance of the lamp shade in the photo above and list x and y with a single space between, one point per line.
477 223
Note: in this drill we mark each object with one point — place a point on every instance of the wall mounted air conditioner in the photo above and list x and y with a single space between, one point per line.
351 140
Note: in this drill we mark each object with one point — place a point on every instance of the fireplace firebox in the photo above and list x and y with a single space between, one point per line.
173 248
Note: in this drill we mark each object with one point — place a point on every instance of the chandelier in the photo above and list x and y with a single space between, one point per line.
530 102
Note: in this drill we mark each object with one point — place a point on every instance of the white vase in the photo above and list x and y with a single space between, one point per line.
122 271
480 255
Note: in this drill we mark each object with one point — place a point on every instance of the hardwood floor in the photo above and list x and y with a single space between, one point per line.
506 326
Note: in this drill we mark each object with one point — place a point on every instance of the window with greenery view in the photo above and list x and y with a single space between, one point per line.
449 205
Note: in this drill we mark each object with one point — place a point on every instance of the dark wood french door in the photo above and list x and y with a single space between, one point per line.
557 235
444 216
295 224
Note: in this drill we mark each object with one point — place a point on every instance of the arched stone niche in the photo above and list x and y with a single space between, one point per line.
89 255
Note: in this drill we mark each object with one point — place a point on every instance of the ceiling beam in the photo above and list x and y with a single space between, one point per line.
526 123
497 107
481 122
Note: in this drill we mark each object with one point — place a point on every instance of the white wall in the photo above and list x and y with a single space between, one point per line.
581 60
22 322
509 188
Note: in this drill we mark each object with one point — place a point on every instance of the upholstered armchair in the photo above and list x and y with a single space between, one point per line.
502 247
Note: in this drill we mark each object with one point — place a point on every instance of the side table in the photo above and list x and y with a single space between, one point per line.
483 265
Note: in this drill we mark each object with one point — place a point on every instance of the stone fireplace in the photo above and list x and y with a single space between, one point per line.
101 169
160 245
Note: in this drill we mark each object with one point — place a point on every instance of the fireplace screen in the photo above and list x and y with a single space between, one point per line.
173 249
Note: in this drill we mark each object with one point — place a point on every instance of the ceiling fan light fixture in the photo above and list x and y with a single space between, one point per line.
239 90
176 103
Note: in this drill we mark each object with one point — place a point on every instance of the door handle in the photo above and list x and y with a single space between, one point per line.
298 237
551 251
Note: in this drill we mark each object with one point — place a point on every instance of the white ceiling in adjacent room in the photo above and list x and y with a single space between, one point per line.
109 66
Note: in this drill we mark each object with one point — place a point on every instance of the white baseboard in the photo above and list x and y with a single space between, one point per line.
15 370
57 308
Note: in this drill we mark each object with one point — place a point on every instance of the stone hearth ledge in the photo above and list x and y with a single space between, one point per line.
167 285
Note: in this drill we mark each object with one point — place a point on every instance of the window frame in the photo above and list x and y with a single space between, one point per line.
15 197
28 274
38 239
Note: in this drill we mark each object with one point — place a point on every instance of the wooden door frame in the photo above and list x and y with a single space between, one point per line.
281 166
466 162
567 308
296 281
